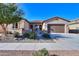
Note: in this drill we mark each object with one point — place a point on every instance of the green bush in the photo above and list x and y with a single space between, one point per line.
42 52
26 34
46 36
30 35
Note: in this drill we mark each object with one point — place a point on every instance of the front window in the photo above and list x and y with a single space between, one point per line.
15 25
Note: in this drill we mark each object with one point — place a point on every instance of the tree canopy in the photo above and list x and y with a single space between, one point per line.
10 13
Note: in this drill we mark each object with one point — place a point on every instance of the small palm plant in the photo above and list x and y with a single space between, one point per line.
42 52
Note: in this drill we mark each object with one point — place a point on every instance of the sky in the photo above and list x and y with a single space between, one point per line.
44 11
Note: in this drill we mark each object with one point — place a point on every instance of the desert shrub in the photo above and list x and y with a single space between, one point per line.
8 32
42 52
46 36
16 34
53 55
26 34
30 35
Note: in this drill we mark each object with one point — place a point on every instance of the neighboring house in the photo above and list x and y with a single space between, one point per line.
55 25
20 27
74 26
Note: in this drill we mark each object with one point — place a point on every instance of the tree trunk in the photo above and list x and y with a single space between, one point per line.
5 32
4 26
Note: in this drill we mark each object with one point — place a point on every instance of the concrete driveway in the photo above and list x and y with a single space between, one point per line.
65 42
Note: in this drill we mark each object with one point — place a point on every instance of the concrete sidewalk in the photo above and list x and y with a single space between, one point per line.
37 46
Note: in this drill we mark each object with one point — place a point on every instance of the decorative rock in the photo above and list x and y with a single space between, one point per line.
54 40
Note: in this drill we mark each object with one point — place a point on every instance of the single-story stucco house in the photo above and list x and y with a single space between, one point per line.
52 25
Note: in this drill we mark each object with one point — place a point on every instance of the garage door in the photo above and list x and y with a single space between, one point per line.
56 28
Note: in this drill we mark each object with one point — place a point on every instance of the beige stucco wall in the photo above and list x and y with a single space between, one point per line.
22 25
73 26
26 25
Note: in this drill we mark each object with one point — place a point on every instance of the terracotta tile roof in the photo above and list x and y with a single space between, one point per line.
37 21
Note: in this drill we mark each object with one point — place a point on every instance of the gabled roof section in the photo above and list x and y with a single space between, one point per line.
77 20
74 21
55 18
26 20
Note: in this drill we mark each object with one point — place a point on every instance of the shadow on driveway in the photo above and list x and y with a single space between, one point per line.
57 36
